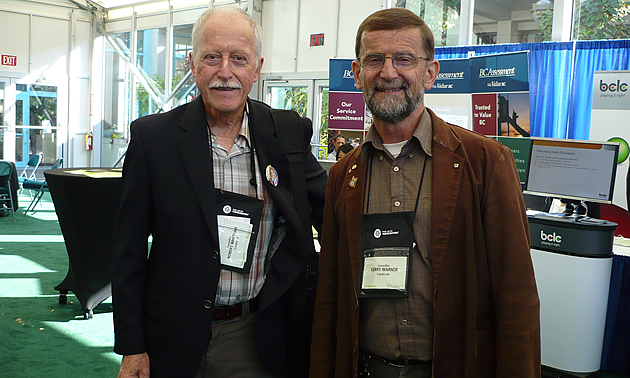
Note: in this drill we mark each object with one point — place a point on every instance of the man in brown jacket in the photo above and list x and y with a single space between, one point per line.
425 267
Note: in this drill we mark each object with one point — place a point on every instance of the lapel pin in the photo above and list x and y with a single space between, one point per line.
353 168
272 175
353 182
456 165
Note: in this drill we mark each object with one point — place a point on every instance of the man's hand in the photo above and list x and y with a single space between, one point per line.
134 365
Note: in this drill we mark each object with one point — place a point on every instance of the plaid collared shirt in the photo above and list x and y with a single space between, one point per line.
402 327
232 172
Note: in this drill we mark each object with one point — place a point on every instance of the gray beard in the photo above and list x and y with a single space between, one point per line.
392 109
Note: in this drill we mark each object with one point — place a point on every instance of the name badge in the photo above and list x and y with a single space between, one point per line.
234 236
237 224
385 272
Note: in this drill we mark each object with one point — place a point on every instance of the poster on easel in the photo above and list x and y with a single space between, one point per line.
610 121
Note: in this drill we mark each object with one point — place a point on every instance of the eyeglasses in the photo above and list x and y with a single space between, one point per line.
400 61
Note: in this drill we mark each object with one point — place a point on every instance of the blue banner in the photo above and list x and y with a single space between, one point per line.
454 77
500 73
341 78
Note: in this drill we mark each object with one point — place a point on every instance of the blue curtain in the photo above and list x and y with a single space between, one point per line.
560 94
591 56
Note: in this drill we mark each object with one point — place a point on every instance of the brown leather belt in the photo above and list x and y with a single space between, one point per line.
231 312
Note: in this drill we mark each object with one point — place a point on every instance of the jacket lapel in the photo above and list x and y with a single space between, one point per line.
354 186
269 152
448 169
195 152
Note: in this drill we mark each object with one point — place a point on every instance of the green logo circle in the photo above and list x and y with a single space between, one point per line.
624 149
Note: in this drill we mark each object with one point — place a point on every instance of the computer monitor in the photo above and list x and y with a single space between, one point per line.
572 169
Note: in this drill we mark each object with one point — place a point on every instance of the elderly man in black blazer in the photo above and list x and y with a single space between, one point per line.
227 287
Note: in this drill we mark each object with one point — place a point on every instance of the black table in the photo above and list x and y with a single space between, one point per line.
86 201
14 187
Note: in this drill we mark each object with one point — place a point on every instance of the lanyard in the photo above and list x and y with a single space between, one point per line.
369 183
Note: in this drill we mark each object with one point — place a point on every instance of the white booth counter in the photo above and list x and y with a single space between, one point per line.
572 263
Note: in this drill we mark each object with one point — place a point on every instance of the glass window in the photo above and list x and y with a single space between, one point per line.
295 98
151 61
36 109
509 21
182 46
601 19
116 117
320 148
442 17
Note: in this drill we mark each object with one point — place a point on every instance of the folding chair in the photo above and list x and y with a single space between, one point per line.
33 163
40 187
6 170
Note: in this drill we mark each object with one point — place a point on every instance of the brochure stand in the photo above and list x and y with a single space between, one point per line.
572 261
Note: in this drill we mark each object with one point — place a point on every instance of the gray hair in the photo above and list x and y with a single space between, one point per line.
232 11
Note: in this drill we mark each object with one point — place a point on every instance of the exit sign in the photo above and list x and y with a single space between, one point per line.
317 39
9 60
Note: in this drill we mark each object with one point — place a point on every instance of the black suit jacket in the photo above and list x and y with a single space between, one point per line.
163 303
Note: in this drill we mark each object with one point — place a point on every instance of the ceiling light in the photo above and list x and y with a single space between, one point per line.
541 6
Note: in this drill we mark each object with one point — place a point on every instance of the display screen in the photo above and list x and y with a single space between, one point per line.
572 169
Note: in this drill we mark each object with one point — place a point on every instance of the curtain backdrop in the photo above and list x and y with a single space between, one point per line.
560 92
591 56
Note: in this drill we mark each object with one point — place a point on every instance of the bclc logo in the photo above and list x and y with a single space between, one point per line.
613 87
550 238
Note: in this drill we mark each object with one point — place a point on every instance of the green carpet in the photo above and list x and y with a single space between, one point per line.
38 336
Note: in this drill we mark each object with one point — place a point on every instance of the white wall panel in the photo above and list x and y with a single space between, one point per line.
151 22
280 26
187 17
351 14
316 17
49 47
112 27
286 40
15 31
81 52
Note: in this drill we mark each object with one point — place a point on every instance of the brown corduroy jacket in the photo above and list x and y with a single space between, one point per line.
486 307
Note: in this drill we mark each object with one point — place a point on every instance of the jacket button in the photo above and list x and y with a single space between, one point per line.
215 254
207 303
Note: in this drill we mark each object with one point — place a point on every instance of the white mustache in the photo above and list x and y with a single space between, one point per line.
220 84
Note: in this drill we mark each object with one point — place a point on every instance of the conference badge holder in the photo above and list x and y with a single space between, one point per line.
386 246
238 223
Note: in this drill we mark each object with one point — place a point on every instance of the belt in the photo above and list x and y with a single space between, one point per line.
399 362
239 309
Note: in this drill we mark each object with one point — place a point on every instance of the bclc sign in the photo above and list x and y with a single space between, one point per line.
613 87
550 239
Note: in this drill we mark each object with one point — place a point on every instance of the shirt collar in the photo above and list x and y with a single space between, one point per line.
242 140
422 133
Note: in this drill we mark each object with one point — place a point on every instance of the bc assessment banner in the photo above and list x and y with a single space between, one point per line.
500 94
